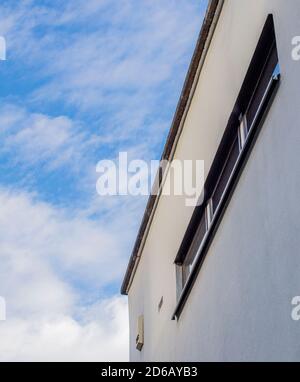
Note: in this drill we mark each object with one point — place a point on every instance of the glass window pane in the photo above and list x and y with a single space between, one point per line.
191 255
226 172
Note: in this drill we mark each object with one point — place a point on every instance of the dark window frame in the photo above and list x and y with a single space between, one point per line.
264 66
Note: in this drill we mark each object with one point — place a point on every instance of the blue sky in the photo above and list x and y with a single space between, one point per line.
83 81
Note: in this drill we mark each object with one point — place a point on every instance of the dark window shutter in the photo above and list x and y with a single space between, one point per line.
226 172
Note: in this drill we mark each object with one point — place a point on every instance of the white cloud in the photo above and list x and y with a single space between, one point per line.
35 138
102 52
33 232
102 337
113 60
42 138
44 255
95 66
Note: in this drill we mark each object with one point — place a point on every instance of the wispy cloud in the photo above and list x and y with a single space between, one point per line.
35 138
107 57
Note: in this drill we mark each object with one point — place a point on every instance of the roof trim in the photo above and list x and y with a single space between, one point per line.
207 29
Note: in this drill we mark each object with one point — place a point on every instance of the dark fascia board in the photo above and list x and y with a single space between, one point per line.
182 104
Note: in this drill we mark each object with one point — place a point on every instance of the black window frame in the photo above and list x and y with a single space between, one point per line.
263 74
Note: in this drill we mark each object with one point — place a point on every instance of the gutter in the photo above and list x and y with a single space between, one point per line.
203 43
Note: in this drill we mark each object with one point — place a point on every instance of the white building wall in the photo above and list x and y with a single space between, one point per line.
240 305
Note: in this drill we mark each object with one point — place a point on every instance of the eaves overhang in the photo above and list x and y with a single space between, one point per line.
209 23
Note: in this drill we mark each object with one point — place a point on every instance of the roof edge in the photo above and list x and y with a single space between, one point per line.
173 133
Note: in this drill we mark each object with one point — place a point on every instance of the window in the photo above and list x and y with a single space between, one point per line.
243 126
202 229
226 172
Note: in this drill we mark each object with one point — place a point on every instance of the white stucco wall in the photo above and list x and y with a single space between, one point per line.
240 306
